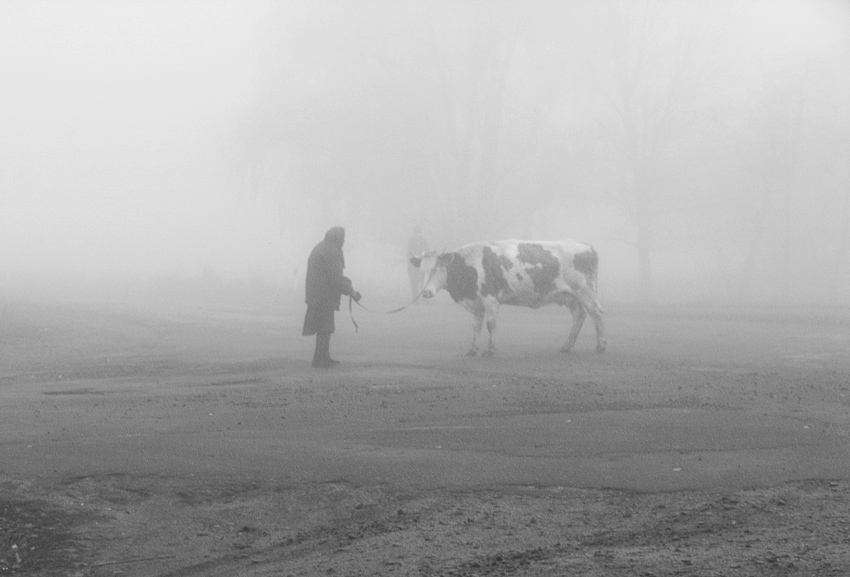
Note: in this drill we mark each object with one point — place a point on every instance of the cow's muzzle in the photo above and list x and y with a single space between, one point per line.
427 294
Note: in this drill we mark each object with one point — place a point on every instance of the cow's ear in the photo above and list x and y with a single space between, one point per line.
416 261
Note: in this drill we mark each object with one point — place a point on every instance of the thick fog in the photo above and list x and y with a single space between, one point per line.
702 147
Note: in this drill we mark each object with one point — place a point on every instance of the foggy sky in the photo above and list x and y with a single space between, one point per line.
113 117
144 139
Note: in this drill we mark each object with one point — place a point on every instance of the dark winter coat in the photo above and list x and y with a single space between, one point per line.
325 281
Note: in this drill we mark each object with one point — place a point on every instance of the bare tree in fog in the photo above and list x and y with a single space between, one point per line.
427 112
470 58
841 270
655 59
482 128
631 120
777 126
794 148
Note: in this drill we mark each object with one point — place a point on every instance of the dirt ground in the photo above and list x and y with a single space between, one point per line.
187 435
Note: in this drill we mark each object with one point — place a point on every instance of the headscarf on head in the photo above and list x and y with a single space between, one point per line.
336 236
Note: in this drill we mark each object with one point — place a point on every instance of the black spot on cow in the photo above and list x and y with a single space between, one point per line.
461 278
587 263
495 266
544 266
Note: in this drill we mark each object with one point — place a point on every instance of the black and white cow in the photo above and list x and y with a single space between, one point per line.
483 275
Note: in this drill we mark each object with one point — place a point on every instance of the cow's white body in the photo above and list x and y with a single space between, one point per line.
483 275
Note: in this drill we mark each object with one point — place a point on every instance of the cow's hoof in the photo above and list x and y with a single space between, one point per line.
471 353
565 349
600 349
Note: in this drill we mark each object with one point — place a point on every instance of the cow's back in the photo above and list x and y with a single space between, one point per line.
531 273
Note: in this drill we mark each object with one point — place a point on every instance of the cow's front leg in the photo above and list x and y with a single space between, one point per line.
477 323
491 314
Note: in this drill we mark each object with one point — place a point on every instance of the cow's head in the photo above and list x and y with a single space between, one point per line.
433 267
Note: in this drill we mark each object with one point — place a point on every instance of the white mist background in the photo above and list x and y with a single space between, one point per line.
218 140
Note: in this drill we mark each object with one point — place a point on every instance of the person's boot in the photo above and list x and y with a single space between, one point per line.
327 350
319 354
322 357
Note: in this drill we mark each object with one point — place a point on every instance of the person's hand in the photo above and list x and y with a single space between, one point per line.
356 296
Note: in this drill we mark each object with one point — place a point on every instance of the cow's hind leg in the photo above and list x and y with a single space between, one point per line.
477 323
594 309
579 315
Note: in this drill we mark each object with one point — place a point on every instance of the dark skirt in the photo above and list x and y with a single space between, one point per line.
318 320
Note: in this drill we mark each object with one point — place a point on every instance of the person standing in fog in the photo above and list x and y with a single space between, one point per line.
415 247
325 287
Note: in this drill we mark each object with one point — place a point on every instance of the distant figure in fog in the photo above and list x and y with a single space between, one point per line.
415 247
325 287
